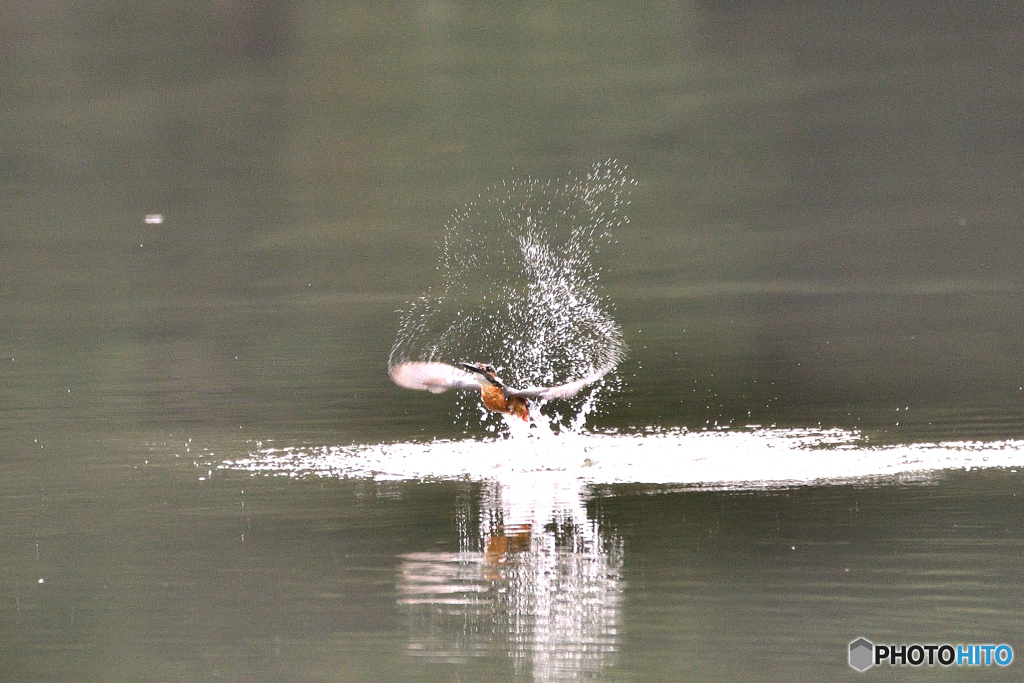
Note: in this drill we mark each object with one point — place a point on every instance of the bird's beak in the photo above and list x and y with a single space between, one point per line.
473 368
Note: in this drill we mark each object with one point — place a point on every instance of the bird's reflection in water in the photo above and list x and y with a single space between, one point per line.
505 544
540 586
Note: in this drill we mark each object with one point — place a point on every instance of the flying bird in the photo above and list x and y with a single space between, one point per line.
497 396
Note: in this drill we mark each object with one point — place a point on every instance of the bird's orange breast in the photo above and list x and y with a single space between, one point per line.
494 400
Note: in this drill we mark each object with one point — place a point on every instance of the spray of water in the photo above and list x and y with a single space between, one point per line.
519 287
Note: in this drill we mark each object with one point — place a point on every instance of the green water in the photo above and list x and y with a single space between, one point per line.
825 229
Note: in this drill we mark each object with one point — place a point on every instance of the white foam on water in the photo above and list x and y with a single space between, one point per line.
751 458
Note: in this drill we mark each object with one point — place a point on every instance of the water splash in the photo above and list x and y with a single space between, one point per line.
720 459
519 288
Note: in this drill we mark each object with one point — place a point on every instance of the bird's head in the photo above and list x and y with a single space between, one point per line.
487 371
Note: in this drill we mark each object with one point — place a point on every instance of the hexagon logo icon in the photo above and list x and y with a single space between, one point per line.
862 653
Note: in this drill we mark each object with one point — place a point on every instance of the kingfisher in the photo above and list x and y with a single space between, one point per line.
497 396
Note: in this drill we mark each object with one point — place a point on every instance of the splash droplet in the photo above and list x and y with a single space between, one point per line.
519 286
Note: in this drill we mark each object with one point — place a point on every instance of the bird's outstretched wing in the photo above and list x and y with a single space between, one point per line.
562 390
433 377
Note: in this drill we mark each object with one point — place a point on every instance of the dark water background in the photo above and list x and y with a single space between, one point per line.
826 227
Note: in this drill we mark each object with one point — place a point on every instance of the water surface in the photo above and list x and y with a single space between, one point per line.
816 435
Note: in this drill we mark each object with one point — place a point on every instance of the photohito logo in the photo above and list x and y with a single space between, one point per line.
864 654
